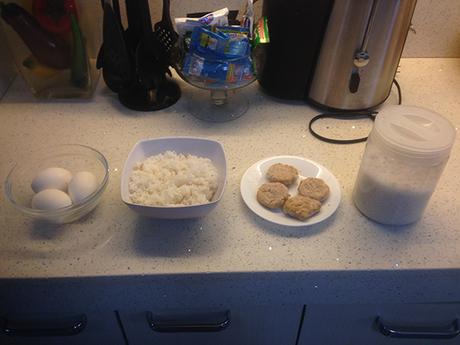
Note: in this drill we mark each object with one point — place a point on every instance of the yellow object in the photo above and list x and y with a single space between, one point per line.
38 69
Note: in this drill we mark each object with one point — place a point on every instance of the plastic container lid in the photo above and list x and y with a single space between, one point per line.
414 131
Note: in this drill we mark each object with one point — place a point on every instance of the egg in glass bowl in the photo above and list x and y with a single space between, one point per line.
58 184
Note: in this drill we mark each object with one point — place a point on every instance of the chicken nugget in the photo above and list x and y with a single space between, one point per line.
314 188
272 194
301 207
284 173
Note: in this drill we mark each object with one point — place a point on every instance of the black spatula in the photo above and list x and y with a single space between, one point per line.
114 58
165 34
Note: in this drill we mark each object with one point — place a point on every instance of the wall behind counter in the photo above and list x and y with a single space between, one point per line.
435 21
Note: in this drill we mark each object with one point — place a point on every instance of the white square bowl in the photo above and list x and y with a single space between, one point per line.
186 145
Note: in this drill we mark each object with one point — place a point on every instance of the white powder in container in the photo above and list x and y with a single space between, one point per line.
389 204
392 191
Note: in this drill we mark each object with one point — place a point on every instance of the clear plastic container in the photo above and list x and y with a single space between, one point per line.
54 44
405 155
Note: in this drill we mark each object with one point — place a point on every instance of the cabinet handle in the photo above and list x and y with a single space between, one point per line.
44 327
449 331
201 322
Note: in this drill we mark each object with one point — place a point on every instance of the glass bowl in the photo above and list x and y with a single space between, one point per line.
72 157
220 103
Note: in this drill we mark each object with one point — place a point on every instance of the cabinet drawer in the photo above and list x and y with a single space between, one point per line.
389 324
225 326
60 328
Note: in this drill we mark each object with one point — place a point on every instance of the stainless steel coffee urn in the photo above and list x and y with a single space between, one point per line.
360 53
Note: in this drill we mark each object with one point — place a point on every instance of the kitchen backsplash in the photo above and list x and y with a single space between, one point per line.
438 31
435 21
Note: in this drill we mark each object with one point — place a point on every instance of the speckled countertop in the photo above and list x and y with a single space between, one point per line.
113 240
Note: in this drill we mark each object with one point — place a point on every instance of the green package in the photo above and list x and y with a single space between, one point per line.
261 34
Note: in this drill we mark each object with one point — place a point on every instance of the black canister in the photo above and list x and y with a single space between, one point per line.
285 65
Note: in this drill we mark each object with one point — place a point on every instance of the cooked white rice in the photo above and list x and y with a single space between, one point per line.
171 179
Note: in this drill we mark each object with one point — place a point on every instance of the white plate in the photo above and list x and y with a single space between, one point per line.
254 177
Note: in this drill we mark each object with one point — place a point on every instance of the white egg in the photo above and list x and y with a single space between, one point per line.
52 178
50 199
82 185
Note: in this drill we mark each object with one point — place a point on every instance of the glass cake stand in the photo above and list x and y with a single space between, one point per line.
216 101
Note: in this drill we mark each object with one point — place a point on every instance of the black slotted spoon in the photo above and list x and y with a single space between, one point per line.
165 34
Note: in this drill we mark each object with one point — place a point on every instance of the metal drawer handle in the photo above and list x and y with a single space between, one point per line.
183 323
48 327
450 331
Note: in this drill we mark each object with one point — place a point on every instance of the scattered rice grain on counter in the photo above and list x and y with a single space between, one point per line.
171 179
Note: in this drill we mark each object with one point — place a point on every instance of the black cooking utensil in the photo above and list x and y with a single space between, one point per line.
154 90
165 34
135 61
116 9
151 62
114 58
139 22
